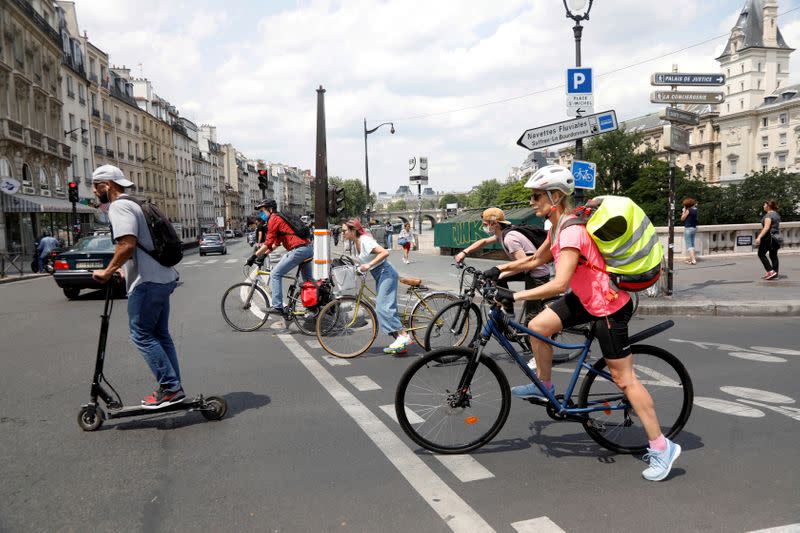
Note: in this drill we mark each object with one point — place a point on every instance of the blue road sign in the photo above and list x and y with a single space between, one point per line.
579 81
584 173
607 121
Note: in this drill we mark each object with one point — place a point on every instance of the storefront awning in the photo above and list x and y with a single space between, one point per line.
26 203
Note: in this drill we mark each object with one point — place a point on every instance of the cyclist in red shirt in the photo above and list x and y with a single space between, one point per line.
280 233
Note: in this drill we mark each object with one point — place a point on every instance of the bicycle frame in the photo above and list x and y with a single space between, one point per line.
365 292
494 328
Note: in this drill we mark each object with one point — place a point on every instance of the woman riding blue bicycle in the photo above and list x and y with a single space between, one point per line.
581 268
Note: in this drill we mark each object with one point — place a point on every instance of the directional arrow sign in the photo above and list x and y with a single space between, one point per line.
676 139
678 78
680 116
686 97
569 130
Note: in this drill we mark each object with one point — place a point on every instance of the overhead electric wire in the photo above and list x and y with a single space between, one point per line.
561 86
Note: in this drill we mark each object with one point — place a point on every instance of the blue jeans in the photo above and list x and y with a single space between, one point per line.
148 318
688 237
288 262
386 300
388 241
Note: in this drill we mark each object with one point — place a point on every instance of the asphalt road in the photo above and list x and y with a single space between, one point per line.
308 446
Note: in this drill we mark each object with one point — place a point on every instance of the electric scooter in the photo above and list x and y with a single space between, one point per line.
92 415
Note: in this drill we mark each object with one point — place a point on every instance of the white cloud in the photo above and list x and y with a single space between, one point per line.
254 73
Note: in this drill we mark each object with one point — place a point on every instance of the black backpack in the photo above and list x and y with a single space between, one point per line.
298 228
167 246
536 235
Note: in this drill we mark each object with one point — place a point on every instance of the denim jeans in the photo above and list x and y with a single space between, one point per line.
388 241
386 300
688 237
289 262
148 318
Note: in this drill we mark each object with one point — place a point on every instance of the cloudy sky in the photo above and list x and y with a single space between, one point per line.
461 79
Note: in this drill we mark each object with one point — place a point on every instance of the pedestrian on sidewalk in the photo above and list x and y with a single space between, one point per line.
769 240
405 240
374 259
149 285
389 231
689 219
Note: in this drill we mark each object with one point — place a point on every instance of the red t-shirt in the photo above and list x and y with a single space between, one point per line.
279 233
589 285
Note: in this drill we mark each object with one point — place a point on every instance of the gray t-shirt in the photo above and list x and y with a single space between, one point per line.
127 218
775 224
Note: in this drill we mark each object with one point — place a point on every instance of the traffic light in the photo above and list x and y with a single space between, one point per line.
335 201
73 192
262 179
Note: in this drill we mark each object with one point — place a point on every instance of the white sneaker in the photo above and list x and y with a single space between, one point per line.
399 345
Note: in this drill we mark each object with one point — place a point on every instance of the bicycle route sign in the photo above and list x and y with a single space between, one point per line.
585 173
569 130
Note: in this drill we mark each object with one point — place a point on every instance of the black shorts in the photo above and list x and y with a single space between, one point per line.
611 332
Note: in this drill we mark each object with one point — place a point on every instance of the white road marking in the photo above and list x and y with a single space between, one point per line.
789 528
313 345
727 407
464 467
363 383
537 525
752 356
791 412
756 394
231 261
193 261
779 351
413 417
456 513
210 261
335 361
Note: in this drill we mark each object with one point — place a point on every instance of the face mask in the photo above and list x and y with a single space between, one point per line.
488 230
103 197
263 216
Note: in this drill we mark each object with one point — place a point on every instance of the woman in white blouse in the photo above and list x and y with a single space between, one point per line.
406 240
373 258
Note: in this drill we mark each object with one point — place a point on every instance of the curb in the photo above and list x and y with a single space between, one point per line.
13 278
758 308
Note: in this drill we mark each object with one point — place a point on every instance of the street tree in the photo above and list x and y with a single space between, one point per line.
355 196
619 165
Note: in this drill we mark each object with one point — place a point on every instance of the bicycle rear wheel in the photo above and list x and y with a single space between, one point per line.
621 431
434 415
457 324
424 311
245 307
346 327
303 317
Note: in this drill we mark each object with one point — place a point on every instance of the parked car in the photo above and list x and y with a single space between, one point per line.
73 268
237 233
229 234
212 243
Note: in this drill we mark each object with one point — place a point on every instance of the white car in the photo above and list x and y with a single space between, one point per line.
229 234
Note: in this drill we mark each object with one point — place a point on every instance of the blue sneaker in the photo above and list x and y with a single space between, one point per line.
661 462
530 391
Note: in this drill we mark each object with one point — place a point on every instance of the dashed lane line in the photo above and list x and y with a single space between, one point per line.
789 528
192 262
464 467
210 261
335 361
363 383
456 513
537 525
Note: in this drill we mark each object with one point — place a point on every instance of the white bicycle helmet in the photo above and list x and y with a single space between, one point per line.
552 178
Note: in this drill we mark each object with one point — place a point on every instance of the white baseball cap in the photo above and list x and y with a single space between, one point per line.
110 173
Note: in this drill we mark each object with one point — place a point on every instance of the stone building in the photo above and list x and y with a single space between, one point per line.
34 160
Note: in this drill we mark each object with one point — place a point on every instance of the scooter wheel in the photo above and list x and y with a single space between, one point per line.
214 408
89 419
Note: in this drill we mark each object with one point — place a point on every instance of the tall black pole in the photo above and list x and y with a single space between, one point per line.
419 213
671 212
577 30
74 221
321 180
366 170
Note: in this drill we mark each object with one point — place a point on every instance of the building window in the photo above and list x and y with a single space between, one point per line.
741 86
764 122
82 94
779 68
741 104
764 163
782 139
759 66
758 84
70 88
700 134
783 118
87 170
733 166
42 178
742 65
782 161
74 170
728 89
728 106
57 178
764 141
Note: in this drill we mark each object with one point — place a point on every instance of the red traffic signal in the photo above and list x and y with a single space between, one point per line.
73 191
262 179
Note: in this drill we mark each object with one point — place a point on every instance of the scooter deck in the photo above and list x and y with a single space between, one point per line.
136 410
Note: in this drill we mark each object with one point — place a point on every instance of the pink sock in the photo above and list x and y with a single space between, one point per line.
548 384
660 444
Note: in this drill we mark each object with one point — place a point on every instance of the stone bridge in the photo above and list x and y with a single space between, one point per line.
433 216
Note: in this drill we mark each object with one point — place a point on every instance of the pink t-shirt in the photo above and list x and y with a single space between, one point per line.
589 285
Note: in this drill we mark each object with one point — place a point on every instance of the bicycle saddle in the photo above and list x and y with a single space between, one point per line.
411 282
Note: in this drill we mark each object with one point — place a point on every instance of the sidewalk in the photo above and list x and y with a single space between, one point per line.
716 286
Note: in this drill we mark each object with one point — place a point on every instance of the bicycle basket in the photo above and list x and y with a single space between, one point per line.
344 278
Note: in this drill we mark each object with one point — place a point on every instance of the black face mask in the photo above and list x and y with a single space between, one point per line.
103 197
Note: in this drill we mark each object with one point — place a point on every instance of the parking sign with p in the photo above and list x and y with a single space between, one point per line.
579 80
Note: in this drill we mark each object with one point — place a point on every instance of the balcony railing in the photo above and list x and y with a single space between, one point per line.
71 94
104 83
130 157
15 130
118 121
36 138
136 129
98 149
93 77
107 117
95 113
109 152
128 125
66 151
85 139
82 100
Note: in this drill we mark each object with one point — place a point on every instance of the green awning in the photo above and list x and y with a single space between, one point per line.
28 203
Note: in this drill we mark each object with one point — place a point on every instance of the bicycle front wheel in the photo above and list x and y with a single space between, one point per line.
621 431
438 417
346 327
456 325
424 311
245 307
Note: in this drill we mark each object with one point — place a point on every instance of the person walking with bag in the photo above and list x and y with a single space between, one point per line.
769 240
405 240
374 259
689 219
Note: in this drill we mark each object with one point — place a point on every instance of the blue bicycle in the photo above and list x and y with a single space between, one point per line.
455 400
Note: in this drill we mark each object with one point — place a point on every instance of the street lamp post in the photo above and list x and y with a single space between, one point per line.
366 160
578 10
